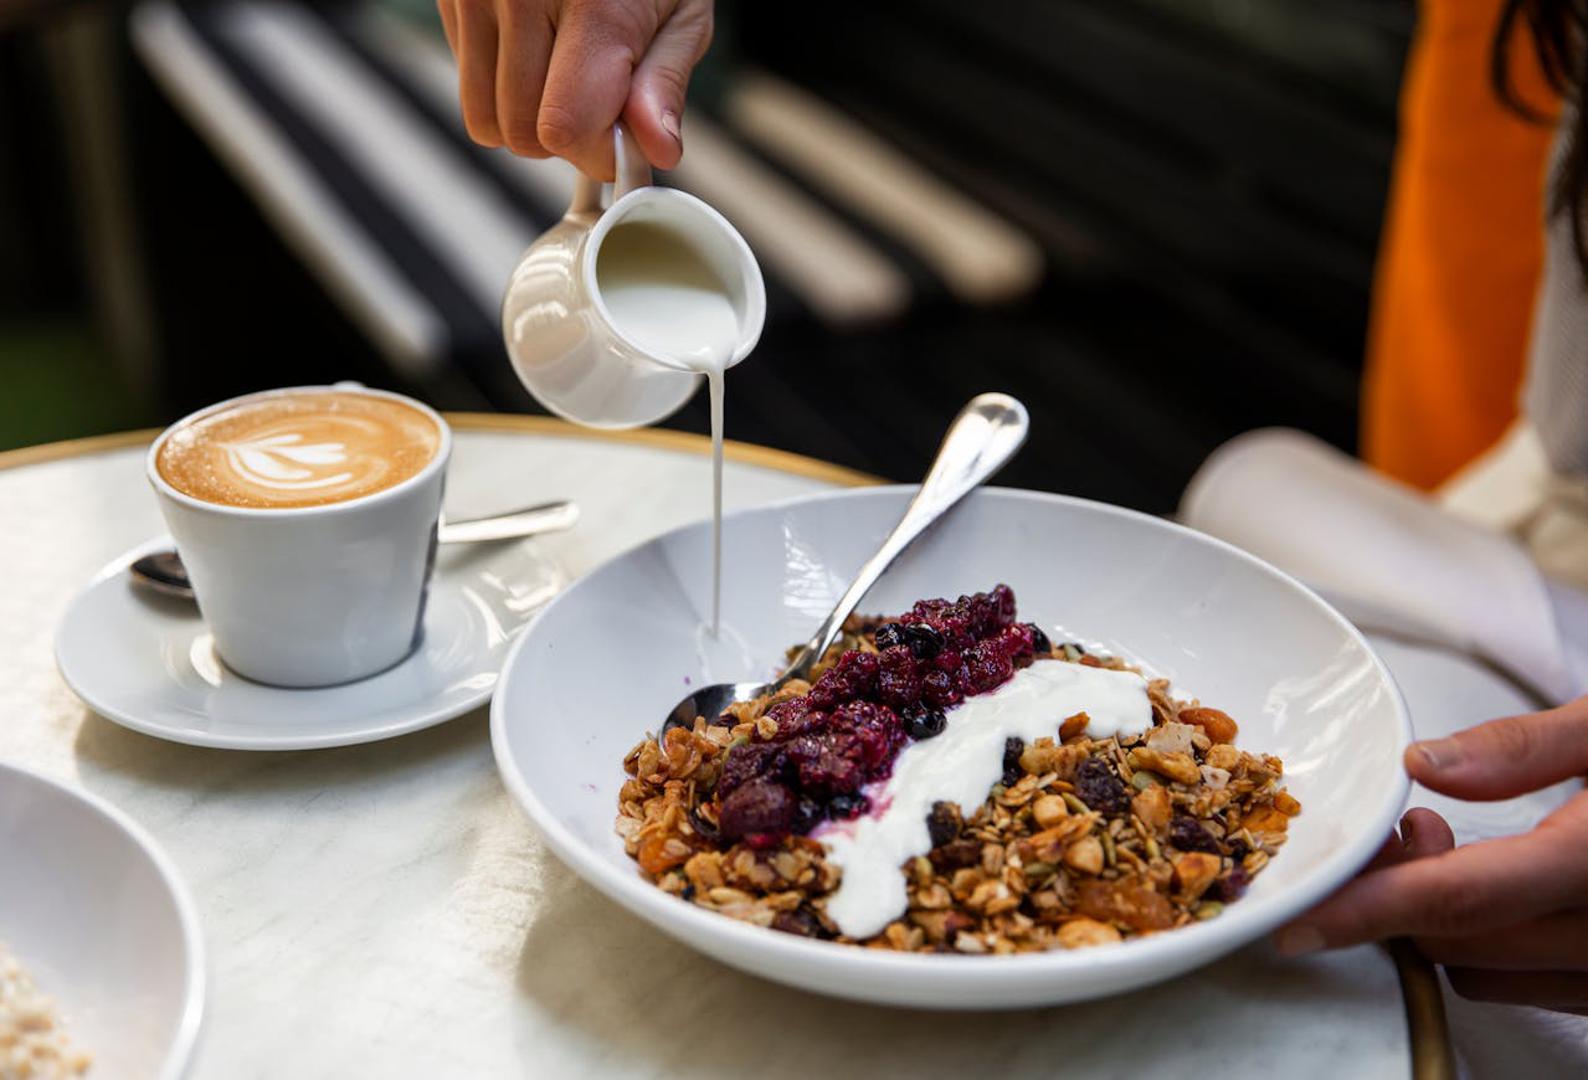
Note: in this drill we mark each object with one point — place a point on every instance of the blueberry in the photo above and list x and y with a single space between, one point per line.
845 806
888 635
1039 640
807 812
924 642
923 722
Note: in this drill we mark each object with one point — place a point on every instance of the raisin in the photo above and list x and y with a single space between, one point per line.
1187 834
956 855
943 823
1013 748
1098 787
1230 888
799 921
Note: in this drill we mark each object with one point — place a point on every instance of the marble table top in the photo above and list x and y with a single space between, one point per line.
385 910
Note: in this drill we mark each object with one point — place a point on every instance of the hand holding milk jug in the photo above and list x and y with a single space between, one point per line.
612 317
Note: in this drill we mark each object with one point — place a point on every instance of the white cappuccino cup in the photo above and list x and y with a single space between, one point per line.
310 555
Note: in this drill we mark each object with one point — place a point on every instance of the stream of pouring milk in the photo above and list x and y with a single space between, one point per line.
662 294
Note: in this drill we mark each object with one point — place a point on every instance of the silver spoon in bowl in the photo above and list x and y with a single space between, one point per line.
982 438
163 572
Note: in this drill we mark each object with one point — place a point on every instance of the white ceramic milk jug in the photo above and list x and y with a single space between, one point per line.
612 316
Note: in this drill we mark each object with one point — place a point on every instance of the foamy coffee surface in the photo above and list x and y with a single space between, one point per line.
298 450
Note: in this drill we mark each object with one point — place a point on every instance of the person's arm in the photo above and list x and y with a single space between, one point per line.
551 77
1508 918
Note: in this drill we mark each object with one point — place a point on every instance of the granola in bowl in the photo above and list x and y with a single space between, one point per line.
1128 818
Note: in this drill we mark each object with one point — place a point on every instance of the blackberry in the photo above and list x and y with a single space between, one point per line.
1013 748
924 723
939 690
1098 787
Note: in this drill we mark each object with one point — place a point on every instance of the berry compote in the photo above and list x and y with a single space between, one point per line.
846 732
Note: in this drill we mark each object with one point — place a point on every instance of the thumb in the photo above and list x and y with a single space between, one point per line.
655 106
1504 758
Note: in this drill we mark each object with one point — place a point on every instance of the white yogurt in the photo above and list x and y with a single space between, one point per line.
961 766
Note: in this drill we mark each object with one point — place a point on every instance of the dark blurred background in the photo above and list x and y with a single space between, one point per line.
1153 220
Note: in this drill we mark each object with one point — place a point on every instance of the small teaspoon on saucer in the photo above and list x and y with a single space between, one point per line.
163 572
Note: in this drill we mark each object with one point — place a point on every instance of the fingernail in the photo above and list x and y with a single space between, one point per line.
1440 753
1406 831
1298 940
670 124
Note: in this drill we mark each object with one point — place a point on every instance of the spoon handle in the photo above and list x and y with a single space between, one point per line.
983 437
530 521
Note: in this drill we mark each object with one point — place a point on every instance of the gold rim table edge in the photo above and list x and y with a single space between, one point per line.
658 438
1432 1056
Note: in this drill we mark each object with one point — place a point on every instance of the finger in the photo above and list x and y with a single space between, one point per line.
1412 842
1467 890
1558 941
1425 833
449 22
523 53
1563 990
655 107
1392 853
1504 758
592 60
477 70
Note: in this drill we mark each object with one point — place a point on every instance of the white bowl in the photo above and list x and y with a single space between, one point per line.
606 661
93 909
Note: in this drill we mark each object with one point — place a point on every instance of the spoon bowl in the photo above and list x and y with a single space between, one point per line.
981 440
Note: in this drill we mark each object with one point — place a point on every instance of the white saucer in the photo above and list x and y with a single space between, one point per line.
146 661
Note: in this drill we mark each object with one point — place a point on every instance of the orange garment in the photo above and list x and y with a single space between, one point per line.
1462 246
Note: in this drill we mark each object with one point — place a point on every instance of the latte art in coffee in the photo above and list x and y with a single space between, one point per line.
303 449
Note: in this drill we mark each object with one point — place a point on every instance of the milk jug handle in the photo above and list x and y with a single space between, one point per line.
633 171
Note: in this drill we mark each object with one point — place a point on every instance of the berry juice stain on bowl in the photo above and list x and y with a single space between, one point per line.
952 781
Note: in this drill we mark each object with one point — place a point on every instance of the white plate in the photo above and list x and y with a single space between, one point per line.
95 911
146 662
608 658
